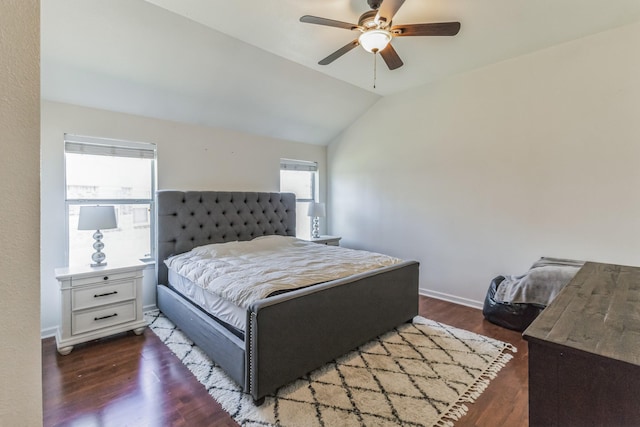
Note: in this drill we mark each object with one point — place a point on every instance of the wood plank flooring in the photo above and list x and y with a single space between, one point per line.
130 380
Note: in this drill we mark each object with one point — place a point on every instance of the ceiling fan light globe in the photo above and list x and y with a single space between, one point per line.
374 40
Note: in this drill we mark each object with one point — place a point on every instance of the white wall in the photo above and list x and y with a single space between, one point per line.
484 172
189 158
20 356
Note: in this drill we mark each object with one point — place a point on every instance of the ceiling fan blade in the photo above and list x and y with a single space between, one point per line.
435 29
388 10
328 22
391 57
338 53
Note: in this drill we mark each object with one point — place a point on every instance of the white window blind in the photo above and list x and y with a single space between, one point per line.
108 147
298 165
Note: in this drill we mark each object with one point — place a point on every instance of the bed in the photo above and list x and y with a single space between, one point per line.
289 334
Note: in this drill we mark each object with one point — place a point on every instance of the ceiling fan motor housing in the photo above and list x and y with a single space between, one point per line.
374 4
367 19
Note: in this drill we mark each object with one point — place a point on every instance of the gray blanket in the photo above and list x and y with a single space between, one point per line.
540 284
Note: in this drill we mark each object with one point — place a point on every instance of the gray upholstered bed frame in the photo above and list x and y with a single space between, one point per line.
289 334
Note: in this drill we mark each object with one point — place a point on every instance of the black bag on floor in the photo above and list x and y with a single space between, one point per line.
512 316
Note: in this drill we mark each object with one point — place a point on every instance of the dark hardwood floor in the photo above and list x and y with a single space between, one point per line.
130 380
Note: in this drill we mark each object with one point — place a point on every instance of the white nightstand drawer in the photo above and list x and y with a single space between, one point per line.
105 278
93 319
94 296
327 240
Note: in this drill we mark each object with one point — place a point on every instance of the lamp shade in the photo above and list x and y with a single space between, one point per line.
316 210
374 40
97 218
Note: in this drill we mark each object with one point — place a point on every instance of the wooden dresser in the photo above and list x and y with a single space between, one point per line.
584 351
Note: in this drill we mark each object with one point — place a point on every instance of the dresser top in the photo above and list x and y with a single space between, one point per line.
597 312
86 270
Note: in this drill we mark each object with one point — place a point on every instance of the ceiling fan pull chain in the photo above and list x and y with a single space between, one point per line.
374 69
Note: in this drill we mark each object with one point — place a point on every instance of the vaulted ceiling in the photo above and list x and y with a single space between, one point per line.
252 66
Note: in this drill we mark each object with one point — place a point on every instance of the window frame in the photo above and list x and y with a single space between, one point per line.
308 166
101 146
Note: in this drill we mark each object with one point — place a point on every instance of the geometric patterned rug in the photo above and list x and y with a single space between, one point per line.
419 374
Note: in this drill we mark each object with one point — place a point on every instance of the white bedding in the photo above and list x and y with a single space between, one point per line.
221 308
244 272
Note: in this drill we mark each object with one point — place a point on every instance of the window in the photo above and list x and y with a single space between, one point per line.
300 177
110 172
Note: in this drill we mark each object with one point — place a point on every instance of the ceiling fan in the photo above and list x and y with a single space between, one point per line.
377 31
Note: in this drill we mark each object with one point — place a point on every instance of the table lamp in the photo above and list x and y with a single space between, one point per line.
316 210
97 218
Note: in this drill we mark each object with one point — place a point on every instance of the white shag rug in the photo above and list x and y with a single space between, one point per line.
419 374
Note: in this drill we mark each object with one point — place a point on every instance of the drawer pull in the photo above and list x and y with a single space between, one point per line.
105 295
105 317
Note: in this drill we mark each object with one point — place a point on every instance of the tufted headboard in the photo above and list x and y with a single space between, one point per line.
187 219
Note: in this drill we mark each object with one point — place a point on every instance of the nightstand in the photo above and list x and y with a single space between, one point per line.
99 301
327 240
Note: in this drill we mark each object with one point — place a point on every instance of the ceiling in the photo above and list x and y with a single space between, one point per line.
252 66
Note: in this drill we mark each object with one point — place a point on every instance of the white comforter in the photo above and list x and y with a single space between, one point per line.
244 272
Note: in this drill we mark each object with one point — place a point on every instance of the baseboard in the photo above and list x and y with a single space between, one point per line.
451 298
149 307
48 332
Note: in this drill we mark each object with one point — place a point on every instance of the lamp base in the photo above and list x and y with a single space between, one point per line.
98 256
98 264
315 233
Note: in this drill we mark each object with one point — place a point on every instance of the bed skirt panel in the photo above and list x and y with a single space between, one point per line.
226 349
